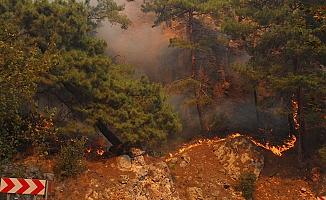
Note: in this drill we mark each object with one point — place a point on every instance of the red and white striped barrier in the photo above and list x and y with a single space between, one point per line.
23 186
321 198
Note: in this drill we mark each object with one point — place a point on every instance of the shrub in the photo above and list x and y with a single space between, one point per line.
219 122
71 160
246 184
322 153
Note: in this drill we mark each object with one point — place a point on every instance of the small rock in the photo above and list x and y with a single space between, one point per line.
174 160
141 171
123 179
303 190
139 160
183 163
49 176
186 157
124 163
136 152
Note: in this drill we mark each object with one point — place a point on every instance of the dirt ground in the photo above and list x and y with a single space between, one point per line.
281 178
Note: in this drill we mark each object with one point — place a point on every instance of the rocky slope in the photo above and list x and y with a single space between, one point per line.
206 170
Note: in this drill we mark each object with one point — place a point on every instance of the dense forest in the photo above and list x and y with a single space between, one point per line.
48 51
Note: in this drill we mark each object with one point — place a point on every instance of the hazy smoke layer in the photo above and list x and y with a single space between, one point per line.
147 49
142 46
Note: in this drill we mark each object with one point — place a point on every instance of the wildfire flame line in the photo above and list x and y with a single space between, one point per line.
295 107
277 150
99 151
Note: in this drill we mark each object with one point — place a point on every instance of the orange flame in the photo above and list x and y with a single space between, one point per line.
100 152
295 106
277 150
88 150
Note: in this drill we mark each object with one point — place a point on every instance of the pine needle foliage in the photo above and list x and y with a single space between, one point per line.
47 51
71 161
246 184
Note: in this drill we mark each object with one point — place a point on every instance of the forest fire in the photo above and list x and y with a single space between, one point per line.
99 151
295 106
277 150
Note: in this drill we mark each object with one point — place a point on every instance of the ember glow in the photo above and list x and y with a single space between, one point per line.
88 150
277 150
295 107
100 151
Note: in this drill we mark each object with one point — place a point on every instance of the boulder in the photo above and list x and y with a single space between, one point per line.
239 155
124 163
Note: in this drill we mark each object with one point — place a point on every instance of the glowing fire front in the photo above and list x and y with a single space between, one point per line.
99 151
295 107
277 150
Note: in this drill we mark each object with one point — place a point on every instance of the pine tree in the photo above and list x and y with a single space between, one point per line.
188 12
92 91
287 48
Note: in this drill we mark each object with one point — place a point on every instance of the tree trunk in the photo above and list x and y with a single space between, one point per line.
301 131
203 124
200 108
256 88
256 104
110 136
106 132
192 44
300 119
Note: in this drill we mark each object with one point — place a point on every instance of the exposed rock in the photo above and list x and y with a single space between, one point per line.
139 160
151 181
186 157
49 176
239 155
123 179
183 163
195 193
174 160
141 172
136 152
124 163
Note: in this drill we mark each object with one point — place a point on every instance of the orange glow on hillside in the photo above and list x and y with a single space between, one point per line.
277 150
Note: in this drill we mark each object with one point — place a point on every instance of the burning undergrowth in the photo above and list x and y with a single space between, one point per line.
275 149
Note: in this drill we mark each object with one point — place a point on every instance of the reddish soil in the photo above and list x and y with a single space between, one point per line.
281 177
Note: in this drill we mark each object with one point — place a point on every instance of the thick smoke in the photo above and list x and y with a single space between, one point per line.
147 49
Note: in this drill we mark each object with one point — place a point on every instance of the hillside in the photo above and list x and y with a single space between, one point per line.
195 173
